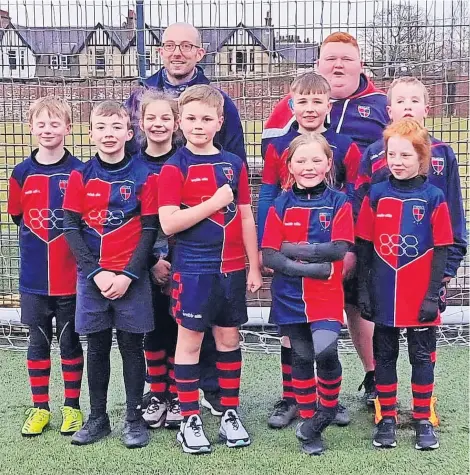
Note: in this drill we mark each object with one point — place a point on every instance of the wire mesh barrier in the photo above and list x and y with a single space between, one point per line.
87 51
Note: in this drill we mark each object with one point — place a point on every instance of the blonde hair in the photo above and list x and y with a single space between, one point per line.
208 95
55 107
308 139
418 135
108 109
408 80
154 95
310 83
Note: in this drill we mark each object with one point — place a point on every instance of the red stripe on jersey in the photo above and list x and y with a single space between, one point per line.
351 162
62 268
441 226
296 225
118 246
410 291
149 196
233 250
244 196
343 224
433 356
365 221
361 181
271 174
379 164
273 236
170 186
14 198
75 193
96 196
388 219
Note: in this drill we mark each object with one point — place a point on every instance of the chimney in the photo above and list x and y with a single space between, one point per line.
5 19
129 24
268 20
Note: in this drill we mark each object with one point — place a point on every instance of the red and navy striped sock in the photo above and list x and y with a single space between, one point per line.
72 372
39 374
305 389
187 383
156 371
422 386
171 377
328 391
229 369
286 365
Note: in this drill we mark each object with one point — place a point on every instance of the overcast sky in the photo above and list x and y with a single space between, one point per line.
307 18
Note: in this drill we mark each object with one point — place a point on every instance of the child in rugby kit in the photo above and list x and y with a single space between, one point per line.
311 105
408 97
308 231
158 121
47 267
204 199
110 225
403 231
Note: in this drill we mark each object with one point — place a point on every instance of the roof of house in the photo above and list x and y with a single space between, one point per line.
300 53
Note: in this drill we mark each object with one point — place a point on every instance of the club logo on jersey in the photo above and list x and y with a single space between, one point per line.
364 111
418 213
437 164
62 186
125 191
325 220
228 172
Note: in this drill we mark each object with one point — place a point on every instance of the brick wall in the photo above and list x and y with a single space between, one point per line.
254 98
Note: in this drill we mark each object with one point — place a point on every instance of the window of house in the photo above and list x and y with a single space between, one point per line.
12 59
148 61
22 59
252 60
54 61
64 61
240 59
100 60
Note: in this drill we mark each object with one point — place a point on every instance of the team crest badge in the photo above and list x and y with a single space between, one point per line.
125 191
62 186
364 111
437 164
325 220
418 213
228 172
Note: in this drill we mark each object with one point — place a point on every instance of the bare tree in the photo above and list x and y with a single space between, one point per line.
403 38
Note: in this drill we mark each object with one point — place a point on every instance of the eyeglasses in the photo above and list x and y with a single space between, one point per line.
185 46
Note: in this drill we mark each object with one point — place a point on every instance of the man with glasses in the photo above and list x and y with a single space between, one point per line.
180 51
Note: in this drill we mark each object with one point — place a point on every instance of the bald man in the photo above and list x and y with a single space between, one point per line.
181 51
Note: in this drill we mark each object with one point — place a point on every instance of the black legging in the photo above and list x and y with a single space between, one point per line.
99 370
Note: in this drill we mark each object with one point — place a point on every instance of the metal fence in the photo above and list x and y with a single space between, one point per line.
86 51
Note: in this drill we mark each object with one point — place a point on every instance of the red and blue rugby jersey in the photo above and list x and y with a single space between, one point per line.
404 226
297 219
443 173
346 156
215 244
111 203
36 192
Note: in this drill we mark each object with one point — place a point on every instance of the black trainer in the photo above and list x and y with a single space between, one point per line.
314 446
283 414
311 429
385 434
211 401
370 391
342 416
135 434
426 438
94 429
